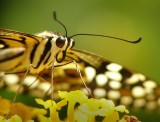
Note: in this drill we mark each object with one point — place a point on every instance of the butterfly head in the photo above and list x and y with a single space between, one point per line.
64 44
60 43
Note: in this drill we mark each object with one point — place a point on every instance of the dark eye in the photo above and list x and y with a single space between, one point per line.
60 42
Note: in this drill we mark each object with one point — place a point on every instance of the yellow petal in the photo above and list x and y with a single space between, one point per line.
15 118
44 119
46 104
80 117
112 118
61 104
38 111
121 108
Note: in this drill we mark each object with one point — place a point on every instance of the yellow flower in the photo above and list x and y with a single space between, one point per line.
72 97
85 111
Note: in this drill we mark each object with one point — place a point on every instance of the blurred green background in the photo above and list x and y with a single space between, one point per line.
124 19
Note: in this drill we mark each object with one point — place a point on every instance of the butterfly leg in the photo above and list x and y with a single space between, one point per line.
14 99
80 75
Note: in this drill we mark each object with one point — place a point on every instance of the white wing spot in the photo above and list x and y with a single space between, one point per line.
150 84
11 79
1 45
115 84
90 73
114 75
114 67
45 86
29 80
138 91
101 79
135 78
99 92
113 94
141 77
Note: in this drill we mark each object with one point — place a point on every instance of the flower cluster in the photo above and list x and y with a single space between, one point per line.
79 108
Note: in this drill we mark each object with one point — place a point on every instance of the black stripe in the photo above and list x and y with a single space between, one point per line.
47 59
19 34
47 48
23 39
12 57
33 52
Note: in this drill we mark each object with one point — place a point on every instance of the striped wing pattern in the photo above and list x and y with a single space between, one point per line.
10 38
15 48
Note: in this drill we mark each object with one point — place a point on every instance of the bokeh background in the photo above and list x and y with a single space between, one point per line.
124 19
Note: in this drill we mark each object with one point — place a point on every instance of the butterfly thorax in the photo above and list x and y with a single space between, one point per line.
55 48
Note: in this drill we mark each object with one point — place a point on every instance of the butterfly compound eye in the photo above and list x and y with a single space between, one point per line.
60 42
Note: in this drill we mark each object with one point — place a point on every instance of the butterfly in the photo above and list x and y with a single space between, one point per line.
38 54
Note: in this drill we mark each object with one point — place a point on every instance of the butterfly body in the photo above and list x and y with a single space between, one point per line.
19 50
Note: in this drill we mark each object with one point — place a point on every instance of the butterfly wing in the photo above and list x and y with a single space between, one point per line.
10 39
111 80
13 49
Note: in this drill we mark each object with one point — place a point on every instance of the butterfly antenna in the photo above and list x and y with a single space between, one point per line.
55 18
84 34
